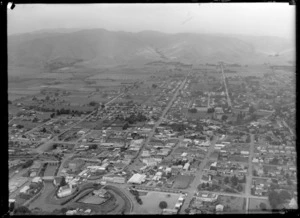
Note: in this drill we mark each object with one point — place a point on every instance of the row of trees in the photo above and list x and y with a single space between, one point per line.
192 110
137 196
133 118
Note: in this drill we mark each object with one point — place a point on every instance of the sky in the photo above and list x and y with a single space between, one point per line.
258 19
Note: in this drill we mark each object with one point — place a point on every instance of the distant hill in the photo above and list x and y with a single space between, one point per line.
98 47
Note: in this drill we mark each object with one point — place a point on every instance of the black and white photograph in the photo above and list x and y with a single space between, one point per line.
151 108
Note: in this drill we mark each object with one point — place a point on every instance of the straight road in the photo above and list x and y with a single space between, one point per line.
194 185
250 176
228 99
160 119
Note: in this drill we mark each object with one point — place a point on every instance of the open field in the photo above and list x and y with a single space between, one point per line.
182 181
151 202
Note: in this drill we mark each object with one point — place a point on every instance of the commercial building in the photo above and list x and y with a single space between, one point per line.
137 178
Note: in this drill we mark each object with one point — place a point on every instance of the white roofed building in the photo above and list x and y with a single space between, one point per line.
137 179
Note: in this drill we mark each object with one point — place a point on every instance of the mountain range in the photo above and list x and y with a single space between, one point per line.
100 47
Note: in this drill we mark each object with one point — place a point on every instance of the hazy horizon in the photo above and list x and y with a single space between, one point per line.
251 19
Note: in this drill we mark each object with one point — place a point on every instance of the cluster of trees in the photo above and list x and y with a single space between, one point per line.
240 117
224 117
137 196
210 110
179 127
93 104
276 198
192 110
154 86
68 111
133 118
27 164
125 126
251 109
19 126
22 210
93 146
235 182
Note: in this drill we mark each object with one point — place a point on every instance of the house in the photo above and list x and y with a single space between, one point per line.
207 197
65 191
24 189
206 179
186 166
169 211
36 180
101 193
219 208
119 179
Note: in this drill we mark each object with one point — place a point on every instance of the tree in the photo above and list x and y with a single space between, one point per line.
154 86
251 109
93 103
9 101
226 180
192 110
224 117
27 164
274 199
63 182
163 205
19 126
263 206
234 180
93 146
22 210
284 195
239 188
52 115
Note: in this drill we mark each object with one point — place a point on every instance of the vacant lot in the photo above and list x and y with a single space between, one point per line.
151 202
182 181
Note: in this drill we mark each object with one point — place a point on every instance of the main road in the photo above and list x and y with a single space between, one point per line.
226 89
194 185
250 176
160 120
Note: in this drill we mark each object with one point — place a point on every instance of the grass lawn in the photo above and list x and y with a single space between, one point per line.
182 181
254 204
151 202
